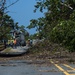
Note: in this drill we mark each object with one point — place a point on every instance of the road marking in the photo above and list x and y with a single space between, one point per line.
65 72
70 70
69 66
61 69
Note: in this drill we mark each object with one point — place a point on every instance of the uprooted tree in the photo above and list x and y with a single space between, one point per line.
58 23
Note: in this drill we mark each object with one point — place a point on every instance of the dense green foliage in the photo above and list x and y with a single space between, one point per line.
58 23
6 25
64 33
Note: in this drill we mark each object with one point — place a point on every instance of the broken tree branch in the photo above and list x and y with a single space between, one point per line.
67 5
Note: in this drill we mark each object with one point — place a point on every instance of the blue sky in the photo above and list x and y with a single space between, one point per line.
22 12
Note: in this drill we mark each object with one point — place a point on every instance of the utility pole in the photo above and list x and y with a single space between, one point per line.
2 7
2 4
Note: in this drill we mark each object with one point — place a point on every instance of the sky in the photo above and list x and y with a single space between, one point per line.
22 12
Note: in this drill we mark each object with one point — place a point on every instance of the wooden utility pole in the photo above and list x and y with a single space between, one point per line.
2 4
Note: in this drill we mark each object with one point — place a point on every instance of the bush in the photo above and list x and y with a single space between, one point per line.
64 33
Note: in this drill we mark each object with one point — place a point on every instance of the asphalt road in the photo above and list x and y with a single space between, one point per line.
24 68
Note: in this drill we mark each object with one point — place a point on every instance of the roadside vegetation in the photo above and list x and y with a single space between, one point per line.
58 23
7 24
57 27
